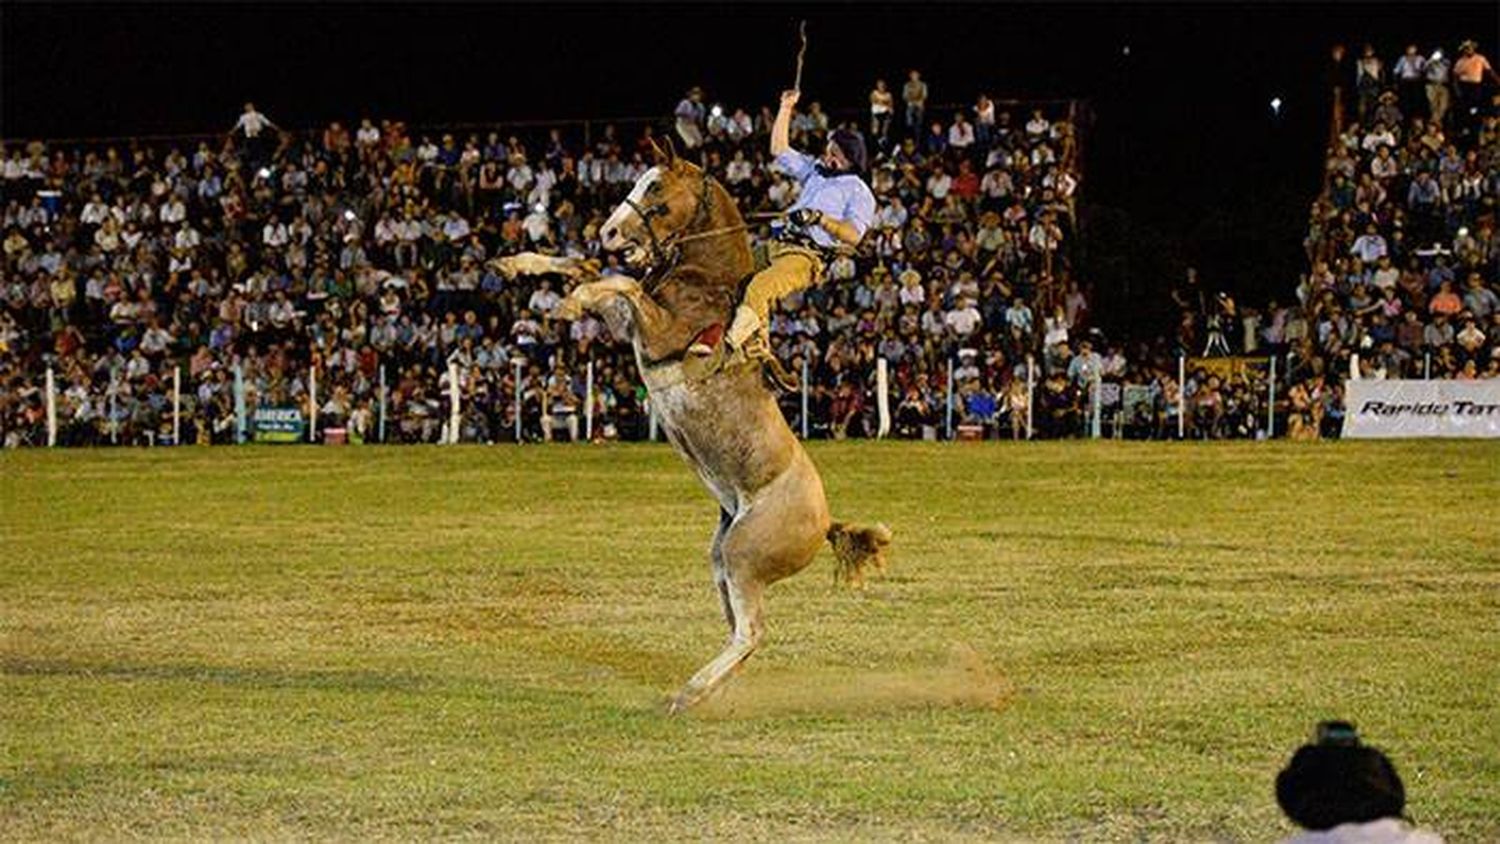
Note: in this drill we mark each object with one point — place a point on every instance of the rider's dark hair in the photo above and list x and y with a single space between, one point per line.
852 145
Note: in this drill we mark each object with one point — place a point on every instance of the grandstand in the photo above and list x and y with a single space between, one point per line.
340 284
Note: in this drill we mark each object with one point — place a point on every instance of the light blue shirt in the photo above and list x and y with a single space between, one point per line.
845 198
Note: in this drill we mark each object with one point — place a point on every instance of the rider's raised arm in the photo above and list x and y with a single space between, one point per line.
781 127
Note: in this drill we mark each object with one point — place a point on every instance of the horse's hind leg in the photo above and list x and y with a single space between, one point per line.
745 600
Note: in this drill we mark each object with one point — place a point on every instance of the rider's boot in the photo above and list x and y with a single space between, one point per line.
747 335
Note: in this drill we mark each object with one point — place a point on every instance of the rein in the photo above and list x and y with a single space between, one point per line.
664 250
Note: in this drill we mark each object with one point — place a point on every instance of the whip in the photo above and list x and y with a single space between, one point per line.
801 53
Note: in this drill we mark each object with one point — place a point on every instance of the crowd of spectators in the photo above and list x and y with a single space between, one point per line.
366 254
1404 261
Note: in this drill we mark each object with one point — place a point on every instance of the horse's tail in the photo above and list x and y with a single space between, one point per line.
857 550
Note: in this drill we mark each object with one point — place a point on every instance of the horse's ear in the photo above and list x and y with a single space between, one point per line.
671 152
660 155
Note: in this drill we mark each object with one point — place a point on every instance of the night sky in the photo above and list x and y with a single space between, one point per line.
1186 163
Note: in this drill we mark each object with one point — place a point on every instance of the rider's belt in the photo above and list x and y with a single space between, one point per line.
802 240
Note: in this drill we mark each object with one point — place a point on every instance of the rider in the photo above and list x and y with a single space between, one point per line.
833 210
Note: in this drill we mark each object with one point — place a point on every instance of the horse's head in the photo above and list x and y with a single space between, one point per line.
668 200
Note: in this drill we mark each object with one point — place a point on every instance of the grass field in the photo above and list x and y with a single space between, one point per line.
1076 641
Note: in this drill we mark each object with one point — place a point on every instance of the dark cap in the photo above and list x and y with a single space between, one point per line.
852 145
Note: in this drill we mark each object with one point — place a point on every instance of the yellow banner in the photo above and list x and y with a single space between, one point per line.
1228 368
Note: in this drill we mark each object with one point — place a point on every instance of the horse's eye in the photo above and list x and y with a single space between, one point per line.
654 190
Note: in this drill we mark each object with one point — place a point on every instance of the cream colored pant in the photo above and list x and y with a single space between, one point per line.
792 268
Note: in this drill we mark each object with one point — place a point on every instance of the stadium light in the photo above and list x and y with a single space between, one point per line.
717 111
348 215
264 172
1276 105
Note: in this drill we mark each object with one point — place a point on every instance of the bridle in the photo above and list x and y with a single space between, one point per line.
665 251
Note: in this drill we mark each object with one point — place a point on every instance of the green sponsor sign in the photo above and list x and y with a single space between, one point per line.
278 425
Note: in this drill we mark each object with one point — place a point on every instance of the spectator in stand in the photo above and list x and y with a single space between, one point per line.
1411 81
1369 80
882 104
1471 72
914 97
1436 72
691 117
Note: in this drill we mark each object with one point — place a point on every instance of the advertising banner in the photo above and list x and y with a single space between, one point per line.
278 425
1229 368
1391 409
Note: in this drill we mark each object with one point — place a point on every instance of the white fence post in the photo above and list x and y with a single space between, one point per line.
239 403
588 402
1271 403
51 409
176 405
803 390
1098 414
454 395
520 365
312 394
1030 396
1181 397
948 405
882 397
381 432
114 422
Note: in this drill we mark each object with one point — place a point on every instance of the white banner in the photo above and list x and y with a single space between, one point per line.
1390 409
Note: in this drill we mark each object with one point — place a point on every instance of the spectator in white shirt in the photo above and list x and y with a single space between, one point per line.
456 229
187 237
939 184
739 170
963 320
252 122
1370 246
1037 127
95 212
172 211
368 135
275 235
961 134
545 299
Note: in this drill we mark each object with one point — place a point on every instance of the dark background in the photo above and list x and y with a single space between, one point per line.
1186 164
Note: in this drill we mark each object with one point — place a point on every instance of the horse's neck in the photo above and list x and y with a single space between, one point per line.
699 289
721 259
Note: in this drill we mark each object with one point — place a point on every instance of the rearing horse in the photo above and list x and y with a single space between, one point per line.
773 515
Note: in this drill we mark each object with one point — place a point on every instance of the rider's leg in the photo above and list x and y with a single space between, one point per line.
788 273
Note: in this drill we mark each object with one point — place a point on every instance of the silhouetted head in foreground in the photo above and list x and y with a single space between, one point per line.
1337 780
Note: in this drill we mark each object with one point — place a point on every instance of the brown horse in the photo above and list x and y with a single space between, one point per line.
773 516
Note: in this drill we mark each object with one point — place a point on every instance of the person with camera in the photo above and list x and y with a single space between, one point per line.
833 210
1341 791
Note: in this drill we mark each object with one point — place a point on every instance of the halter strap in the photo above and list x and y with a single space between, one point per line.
664 251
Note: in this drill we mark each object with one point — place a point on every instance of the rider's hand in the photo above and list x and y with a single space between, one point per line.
806 217
789 98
